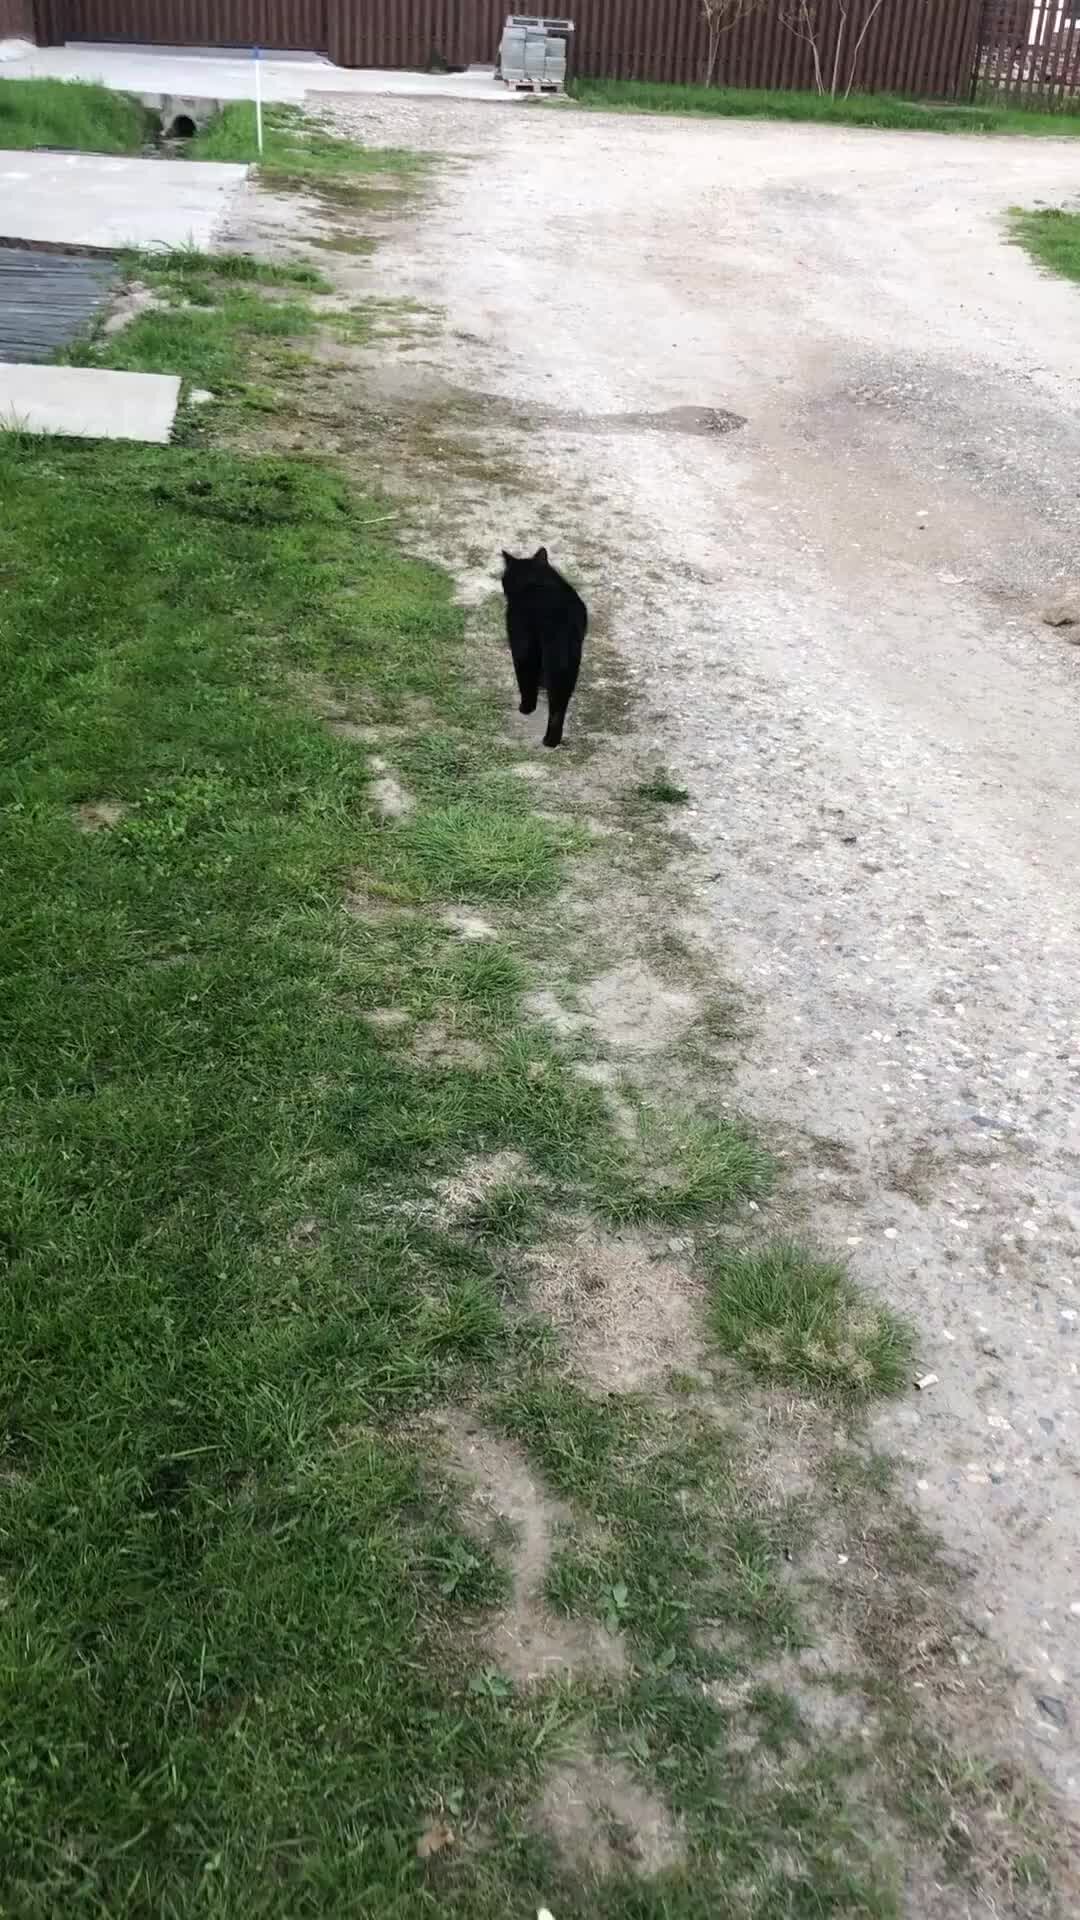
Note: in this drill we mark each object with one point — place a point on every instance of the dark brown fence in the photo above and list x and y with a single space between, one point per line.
924 48
416 33
1029 52
186 23
16 19
907 46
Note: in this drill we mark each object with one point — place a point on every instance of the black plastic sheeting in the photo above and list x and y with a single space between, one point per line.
47 300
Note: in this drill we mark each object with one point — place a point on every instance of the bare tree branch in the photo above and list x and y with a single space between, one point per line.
801 21
720 17
857 49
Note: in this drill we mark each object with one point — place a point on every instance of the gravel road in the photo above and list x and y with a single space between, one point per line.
833 616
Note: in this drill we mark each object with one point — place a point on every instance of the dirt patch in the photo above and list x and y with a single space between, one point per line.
527 1640
436 1044
815 1681
353 730
603 1821
388 794
135 299
386 1019
458 1195
546 1006
91 816
628 1316
470 926
304 1235
636 1011
374 907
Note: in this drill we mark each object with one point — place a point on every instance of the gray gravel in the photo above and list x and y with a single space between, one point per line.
833 615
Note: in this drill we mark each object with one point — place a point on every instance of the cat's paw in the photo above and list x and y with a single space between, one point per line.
552 743
527 706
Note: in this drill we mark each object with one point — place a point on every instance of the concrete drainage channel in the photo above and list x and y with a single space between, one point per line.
179 116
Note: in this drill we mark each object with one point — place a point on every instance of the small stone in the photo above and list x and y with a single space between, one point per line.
1062 613
1053 1708
199 396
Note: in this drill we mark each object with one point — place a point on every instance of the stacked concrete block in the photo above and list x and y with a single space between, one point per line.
533 52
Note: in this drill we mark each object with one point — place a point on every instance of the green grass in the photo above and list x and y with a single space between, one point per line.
859 110
800 1320
296 143
71 115
182 266
662 792
211 321
245 1654
1051 236
235 1640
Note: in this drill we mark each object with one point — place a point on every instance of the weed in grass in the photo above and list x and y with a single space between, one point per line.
1051 236
341 240
686 1167
461 851
180 265
510 1213
72 116
378 319
858 110
662 792
797 1319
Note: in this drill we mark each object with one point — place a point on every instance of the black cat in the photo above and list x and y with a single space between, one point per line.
545 625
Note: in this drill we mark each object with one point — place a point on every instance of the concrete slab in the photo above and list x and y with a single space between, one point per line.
222 74
95 200
89 403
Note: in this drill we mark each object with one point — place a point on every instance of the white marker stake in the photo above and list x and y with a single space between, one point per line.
258 102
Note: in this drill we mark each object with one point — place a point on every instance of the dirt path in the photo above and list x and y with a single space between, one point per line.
833 616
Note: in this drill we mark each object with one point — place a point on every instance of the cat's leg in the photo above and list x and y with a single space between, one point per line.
527 668
560 678
560 686
556 721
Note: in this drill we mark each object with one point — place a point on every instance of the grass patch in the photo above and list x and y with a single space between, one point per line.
799 1320
71 115
859 110
183 266
296 143
217 1313
662 792
340 240
1051 236
215 319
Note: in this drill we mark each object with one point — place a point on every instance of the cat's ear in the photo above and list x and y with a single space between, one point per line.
541 556
508 557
